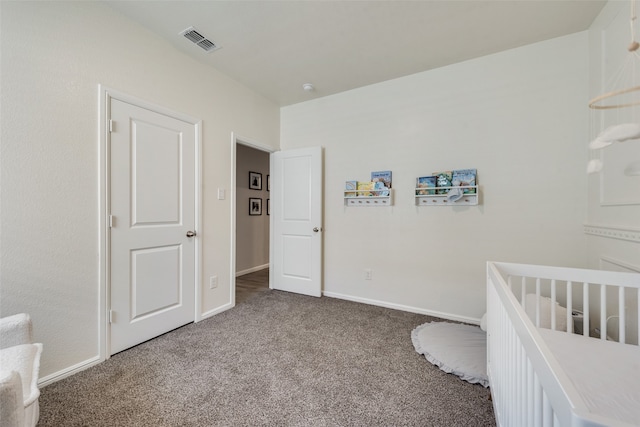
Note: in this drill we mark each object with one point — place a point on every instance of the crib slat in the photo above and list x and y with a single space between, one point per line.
569 306
529 385
523 388
537 302
585 309
547 411
622 319
553 304
537 402
603 312
513 350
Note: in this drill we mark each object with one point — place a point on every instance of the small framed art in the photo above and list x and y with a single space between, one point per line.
255 206
268 206
255 180
268 182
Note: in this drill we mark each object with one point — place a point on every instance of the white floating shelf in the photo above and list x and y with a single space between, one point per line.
368 200
468 199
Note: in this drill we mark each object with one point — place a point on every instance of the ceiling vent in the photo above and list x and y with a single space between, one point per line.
194 36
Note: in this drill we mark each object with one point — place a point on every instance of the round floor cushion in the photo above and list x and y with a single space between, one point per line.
455 348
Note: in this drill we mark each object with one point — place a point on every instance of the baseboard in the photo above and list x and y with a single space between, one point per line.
215 311
401 307
67 372
252 270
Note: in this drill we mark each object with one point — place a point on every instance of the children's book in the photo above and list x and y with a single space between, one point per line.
465 178
426 185
364 188
382 176
444 180
380 189
350 185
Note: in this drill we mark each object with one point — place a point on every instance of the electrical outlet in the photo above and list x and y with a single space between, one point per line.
368 274
213 282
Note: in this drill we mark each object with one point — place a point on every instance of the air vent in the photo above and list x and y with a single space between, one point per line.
195 37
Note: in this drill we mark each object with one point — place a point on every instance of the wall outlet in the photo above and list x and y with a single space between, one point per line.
213 282
368 274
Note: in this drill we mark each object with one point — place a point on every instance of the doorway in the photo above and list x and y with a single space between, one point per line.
252 220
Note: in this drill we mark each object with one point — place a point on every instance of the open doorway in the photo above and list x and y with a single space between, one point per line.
252 220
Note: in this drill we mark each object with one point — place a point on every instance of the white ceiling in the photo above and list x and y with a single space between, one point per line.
274 47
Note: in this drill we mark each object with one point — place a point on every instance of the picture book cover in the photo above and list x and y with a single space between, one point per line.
350 185
428 183
380 189
382 176
364 188
465 178
444 180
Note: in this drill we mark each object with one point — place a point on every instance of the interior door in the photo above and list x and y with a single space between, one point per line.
296 209
152 235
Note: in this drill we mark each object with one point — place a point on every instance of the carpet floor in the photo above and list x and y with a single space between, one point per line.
277 359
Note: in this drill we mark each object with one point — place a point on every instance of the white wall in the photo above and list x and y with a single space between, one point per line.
519 117
613 220
613 213
252 231
54 55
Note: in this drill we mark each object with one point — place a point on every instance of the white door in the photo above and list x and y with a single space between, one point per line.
296 209
153 205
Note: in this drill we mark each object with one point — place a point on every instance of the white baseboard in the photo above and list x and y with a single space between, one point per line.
215 311
71 370
252 270
401 307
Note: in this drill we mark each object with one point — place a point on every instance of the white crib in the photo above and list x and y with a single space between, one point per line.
587 374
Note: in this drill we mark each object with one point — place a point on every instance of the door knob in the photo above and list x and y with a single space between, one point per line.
316 229
191 233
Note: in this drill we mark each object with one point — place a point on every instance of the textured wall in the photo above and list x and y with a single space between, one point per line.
519 117
54 56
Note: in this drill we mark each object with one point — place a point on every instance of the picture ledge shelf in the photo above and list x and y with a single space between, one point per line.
468 199
368 200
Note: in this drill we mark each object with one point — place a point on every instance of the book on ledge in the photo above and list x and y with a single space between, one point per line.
444 180
465 178
350 185
364 188
426 185
382 176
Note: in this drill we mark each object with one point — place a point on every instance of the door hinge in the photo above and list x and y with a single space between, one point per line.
111 125
112 221
112 315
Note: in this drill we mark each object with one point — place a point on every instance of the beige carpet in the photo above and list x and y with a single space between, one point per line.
278 359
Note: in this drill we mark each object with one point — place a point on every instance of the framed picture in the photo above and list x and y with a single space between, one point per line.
268 206
255 206
268 183
255 180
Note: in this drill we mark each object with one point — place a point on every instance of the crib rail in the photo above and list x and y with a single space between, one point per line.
604 302
528 386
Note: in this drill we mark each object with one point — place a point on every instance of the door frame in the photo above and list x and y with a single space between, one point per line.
105 95
235 140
